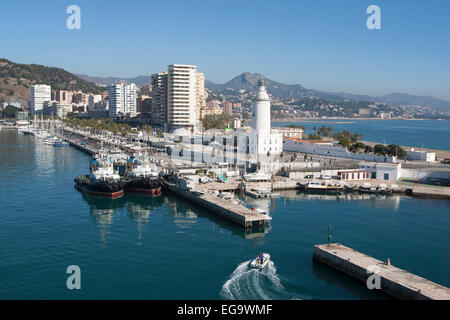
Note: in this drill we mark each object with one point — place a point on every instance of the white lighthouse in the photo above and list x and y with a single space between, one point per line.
261 110
260 140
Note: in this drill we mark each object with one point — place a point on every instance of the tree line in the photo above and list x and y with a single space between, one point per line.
352 142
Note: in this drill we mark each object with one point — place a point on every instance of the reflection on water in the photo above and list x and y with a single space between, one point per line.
335 278
381 201
102 212
181 213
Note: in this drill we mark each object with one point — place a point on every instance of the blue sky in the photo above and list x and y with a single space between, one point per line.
321 44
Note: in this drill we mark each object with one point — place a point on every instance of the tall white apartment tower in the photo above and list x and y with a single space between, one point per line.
130 102
40 93
182 96
122 99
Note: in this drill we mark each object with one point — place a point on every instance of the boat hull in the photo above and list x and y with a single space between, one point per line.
113 195
151 192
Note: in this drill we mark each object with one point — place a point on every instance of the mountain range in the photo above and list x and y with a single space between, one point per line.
15 80
139 80
248 81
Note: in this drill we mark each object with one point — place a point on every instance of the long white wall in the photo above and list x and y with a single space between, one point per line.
332 151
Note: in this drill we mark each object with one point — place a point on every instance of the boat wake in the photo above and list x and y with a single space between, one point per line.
246 283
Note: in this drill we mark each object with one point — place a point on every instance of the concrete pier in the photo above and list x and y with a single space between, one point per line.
395 282
430 192
225 208
81 148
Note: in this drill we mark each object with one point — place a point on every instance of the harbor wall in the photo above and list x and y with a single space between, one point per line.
424 173
394 282
332 151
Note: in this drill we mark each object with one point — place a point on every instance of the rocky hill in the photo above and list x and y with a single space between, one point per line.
16 79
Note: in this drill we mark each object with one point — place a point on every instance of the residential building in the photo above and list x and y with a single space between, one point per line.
56 109
201 94
159 98
122 99
227 107
80 98
182 96
144 104
93 99
212 108
40 93
63 96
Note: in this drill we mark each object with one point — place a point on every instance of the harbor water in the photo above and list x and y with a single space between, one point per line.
137 247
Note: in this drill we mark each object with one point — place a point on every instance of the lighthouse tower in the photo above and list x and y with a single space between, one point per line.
261 110
262 140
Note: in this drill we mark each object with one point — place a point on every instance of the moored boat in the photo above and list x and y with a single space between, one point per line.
141 177
322 187
257 176
102 181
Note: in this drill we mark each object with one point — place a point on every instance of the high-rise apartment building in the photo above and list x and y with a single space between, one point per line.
159 98
178 96
122 99
182 96
40 93
201 94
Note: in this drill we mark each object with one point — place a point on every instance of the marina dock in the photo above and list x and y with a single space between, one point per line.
430 192
80 147
395 282
227 209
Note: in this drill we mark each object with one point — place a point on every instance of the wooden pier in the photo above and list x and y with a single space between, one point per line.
225 208
394 282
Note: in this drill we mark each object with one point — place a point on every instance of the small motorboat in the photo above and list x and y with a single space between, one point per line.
258 263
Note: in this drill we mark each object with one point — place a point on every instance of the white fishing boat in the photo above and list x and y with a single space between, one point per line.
263 191
258 176
260 262
322 186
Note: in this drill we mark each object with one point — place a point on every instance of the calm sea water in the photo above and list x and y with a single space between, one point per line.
166 248
433 134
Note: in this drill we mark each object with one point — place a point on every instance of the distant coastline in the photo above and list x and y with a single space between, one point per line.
419 134
347 119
